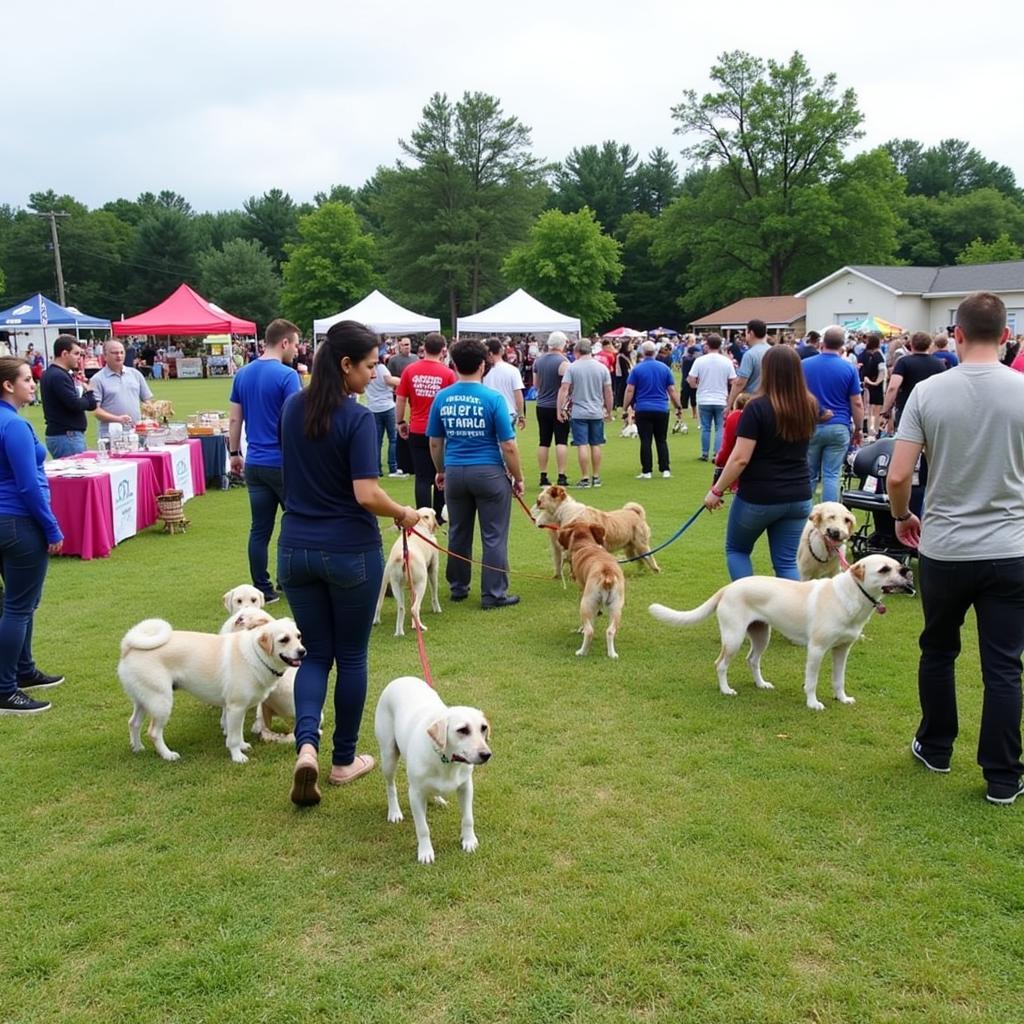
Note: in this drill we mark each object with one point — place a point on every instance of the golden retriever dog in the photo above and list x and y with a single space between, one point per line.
625 529
822 615
234 671
423 563
157 409
829 526
441 746
243 596
281 699
600 579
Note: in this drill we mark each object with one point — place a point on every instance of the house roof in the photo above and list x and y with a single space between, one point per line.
1006 276
774 310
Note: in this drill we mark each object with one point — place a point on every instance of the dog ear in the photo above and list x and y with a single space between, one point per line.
556 492
816 518
597 532
565 537
438 732
857 569
263 600
266 640
227 598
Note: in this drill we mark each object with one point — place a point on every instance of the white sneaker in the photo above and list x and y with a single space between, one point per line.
666 473
643 476
397 475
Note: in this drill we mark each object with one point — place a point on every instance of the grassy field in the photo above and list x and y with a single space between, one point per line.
650 850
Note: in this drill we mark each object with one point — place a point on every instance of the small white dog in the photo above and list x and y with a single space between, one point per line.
441 745
823 615
244 596
423 564
233 671
829 526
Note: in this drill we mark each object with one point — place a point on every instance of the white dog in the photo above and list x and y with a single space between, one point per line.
829 526
234 672
244 596
281 699
823 615
423 563
440 745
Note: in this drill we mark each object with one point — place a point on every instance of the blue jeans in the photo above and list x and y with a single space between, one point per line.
386 425
23 562
60 446
825 453
783 523
333 596
711 417
265 485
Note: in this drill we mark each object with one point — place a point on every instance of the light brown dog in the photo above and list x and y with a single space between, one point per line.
157 409
600 578
625 529
829 526
423 563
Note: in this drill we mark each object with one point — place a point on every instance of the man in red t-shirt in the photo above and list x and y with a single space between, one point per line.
420 382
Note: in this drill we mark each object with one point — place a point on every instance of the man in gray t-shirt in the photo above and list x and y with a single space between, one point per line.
590 385
547 376
970 422
748 376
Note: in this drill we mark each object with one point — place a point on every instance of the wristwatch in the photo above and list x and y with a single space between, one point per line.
235 455
903 518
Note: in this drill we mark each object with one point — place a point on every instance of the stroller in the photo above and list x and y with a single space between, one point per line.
877 535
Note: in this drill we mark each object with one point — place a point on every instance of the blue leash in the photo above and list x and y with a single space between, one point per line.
675 536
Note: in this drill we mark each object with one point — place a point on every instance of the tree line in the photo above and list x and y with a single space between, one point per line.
770 198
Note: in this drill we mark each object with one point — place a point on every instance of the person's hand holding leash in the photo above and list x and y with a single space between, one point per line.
713 499
408 519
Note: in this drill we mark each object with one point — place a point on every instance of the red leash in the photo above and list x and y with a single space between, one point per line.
475 561
532 517
416 622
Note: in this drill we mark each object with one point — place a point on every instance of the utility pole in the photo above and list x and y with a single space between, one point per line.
52 217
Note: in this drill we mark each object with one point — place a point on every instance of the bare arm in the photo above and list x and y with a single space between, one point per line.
673 397
609 400
510 453
898 483
563 397
627 396
520 406
400 403
857 412
742 453
235 436
890 393
738 384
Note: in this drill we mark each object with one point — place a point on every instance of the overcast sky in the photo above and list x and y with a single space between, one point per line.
221 99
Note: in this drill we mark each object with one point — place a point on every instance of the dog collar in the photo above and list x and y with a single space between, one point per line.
814 554
455 758
879 607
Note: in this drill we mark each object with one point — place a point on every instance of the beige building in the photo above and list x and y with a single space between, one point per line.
780 313
916 298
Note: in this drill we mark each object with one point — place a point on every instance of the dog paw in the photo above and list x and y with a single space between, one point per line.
440 801
399 632
815 705
395 816
246 746
764 685
425 855
581 652
845 698
238 757
171 755
728 691
470 844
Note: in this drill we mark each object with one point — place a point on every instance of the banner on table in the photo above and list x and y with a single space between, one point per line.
190 367
124 497
181 460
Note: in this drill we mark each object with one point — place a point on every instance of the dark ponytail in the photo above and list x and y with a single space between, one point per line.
327 388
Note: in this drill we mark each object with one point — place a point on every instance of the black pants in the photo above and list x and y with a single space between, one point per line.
427 495
653 426
995 588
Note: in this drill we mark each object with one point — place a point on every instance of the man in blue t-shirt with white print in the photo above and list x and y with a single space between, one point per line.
258 394
473 445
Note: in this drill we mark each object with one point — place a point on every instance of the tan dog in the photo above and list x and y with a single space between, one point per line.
281 699
423 563
625 529
235 672
157 409
600 578
823 615
243 596
829 526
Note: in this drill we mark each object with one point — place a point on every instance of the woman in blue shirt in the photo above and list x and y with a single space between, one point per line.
329 556
29 534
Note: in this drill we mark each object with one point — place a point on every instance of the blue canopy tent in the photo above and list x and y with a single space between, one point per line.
38 313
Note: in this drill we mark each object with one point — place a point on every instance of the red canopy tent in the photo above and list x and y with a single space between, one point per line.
184 312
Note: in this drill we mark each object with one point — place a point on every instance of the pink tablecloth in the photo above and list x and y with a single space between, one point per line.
83 510
163 466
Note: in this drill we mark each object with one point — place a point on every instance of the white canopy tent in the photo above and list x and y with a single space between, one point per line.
520 313
381 315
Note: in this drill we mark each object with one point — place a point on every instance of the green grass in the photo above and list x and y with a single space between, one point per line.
650 850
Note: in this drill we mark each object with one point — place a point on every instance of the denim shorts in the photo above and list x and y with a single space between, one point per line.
587 432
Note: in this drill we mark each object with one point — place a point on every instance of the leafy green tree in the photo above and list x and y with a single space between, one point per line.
164 256
336 194
953 167
215 230
241 278
333 265
96 250
470 194
569 263
272 220
655 182
1003 248
648 289
600 178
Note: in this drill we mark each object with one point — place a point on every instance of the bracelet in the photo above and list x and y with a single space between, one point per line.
235 455
903 518
716 492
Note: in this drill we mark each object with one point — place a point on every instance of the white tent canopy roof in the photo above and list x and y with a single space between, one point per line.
381 315
517 314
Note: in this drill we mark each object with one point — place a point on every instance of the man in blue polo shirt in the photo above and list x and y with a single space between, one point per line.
257 395
473 445
836 385
649 389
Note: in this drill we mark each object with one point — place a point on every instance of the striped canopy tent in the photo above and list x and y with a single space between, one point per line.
872 324
623 332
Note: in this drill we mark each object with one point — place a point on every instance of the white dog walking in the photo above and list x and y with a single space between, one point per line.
423 564
441 745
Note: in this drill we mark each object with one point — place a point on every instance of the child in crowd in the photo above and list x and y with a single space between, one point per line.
729 428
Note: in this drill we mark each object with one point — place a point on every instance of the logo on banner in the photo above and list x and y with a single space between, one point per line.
43 315
124 505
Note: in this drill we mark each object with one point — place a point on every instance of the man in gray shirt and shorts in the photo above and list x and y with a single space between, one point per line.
590 384
547 377
970 422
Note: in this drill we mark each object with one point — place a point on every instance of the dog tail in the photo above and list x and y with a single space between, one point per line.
609 580
674 618
146 636
635 506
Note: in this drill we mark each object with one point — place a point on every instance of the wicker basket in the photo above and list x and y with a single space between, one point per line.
171 511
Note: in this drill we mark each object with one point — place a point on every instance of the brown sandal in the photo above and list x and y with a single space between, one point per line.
305 788
362 764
